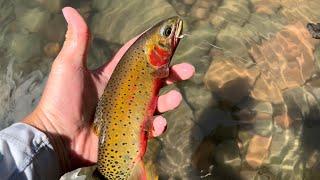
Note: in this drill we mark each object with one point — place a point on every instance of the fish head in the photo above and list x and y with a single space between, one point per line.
162 40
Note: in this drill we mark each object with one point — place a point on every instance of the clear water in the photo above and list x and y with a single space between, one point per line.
250 112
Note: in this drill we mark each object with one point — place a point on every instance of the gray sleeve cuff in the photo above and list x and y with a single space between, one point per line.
26 153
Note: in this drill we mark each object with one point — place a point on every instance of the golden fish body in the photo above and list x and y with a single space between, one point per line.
125 110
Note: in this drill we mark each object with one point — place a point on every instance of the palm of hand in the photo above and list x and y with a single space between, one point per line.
70 97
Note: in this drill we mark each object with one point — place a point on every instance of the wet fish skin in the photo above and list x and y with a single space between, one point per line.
125 110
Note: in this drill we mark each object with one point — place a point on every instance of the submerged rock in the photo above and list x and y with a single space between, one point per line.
55 30
270 102
100 4
199 38
200 12
33 19
176 153
201 9
234 11
258 150
228 151
300 11
231 40
109 24
223 76
262 26
287 57
20 96
268 7
51 49
23 46
189 2
52 6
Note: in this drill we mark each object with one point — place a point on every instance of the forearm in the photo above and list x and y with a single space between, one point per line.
58 141
26 153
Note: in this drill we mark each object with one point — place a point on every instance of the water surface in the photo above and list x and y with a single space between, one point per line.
250 112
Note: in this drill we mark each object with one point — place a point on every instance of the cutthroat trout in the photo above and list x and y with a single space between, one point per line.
125 110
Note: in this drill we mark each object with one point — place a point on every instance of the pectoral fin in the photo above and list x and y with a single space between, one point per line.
162 72
96 127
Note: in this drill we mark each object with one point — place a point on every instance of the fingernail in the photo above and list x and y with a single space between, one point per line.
70 41
175 99
169 101
186 70
159 126
66 14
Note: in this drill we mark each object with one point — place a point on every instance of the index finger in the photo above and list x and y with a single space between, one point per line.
179 72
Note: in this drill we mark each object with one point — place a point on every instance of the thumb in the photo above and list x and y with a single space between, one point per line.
74 49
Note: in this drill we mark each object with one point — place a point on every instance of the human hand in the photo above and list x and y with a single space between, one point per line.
67 106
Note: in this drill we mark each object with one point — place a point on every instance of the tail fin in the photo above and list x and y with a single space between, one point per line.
144 172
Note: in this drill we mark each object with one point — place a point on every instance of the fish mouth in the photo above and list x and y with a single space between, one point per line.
178 31
178 28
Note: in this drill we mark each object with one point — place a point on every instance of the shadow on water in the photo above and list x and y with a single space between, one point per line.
220 144
304 110
310 146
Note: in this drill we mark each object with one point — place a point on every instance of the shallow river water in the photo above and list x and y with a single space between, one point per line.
252 110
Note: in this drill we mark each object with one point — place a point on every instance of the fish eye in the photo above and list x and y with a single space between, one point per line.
167 31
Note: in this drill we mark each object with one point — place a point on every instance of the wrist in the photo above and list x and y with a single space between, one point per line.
40 120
